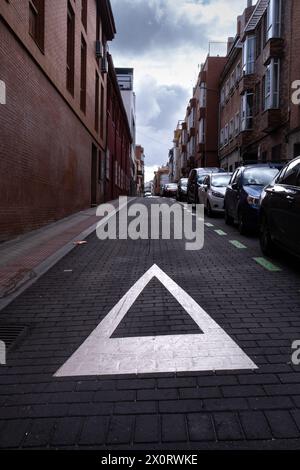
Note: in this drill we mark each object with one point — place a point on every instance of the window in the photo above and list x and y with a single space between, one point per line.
247 111
222 95
102 115
107 166
221 137
37 22
258 41
226 134
97 91
232 81
83 76
202 131
231 128
271 85
237 123
238 72
274 19
249 55
202 98
227 89
257 98
70 49
290 176
84 6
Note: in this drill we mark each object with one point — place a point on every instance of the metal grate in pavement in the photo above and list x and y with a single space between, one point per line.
11 334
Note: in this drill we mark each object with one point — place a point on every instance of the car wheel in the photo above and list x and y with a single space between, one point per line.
266 243
241 224
209 210
228 219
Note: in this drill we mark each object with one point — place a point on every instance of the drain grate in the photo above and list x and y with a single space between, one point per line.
12 334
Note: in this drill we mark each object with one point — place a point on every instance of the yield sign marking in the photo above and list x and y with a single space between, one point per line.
102 355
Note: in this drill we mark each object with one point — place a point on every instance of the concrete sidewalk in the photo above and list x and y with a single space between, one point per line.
24 259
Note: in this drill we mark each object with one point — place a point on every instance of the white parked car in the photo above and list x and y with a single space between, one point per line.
212 192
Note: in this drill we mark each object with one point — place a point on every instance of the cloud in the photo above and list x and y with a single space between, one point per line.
165 41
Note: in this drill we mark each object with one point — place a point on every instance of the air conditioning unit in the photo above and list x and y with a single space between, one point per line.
99 50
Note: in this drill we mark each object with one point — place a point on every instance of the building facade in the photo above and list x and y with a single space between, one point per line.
258 121
140 170
161 177
54 123
118 158
125 78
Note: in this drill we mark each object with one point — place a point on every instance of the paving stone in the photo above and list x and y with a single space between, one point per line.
67 431
255 425
174 428
147 429
120 430
282 424
94 431
200 427
228 427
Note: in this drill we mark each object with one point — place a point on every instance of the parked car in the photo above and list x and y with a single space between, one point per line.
196 179
182 189
280 211
243 193
211 194
170 190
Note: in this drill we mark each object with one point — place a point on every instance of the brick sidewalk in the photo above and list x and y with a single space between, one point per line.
22 260
240 409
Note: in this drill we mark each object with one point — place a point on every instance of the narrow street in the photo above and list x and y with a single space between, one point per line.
255 303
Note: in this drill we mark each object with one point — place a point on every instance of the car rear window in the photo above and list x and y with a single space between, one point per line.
259 176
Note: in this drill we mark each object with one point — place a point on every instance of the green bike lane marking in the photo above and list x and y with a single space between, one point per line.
209 224
238 244
267 265
221 233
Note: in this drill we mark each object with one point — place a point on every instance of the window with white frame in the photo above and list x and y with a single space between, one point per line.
237 124
249 49
231 128
222 137
247 111
202 131
202 98
226 134
271 85
238 72
222 95
274 19
227 87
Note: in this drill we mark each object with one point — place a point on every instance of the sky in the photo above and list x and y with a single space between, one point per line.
165 41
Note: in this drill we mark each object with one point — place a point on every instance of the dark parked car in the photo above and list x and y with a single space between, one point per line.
243 193
182 189
196 178
280 211
170 190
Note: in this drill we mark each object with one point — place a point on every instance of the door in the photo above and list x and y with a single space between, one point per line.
94 176
232 194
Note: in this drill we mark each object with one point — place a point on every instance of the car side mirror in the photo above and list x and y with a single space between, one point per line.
235 186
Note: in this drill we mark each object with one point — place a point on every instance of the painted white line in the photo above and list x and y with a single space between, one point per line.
102 355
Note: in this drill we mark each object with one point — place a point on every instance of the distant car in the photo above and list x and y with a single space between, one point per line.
196 179
280 211
170 190
243 193
182 189
147 194
212 192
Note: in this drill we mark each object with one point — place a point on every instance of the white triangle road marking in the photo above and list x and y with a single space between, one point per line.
102 355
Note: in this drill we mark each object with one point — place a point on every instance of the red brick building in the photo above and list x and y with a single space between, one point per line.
118 164
258 121
53 125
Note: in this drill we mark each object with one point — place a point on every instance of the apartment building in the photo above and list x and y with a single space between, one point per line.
54 121
161 177
258 122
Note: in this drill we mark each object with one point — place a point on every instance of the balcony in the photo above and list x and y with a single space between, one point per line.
274 49
247 82
184 126
245 138
271 120
192 131
183 148
193 103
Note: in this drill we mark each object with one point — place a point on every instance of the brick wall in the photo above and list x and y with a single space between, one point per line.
46 140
